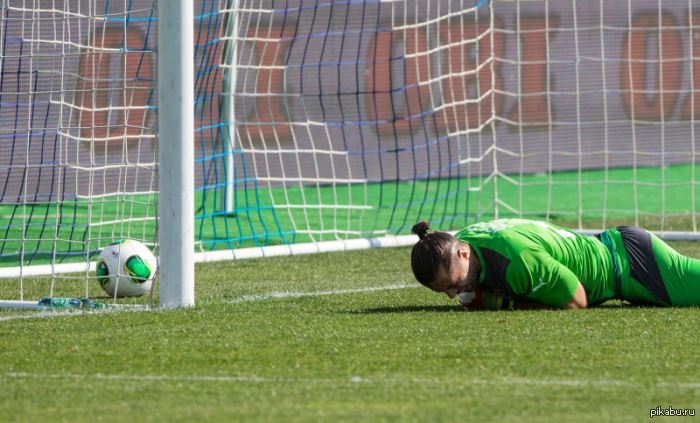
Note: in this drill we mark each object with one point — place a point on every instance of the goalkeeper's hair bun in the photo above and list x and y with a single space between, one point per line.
421 229
432 251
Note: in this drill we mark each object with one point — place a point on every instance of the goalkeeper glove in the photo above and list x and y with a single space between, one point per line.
493 301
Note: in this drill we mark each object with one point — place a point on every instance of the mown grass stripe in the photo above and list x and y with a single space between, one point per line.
344 380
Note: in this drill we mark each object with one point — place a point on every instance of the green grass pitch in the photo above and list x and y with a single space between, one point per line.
332 348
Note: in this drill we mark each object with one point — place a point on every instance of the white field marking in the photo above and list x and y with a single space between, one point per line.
340 381
37 314
292 294
62 313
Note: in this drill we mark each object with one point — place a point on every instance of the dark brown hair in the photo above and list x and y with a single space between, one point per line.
430 252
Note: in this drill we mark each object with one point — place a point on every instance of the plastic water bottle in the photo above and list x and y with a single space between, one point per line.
69 303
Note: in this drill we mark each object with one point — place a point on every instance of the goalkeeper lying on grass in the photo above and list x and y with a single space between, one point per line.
516 263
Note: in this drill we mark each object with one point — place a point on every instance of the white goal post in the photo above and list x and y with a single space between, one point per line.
176 152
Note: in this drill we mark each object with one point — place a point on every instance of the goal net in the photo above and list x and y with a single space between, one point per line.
339 124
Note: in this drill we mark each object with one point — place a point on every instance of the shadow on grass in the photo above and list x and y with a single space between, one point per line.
611 305
616 304
410 309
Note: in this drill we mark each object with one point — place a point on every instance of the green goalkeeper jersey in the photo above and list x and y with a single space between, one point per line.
540 261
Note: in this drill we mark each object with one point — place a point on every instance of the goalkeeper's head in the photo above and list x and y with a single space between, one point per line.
442 262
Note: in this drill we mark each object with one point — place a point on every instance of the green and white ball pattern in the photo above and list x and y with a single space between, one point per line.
126 268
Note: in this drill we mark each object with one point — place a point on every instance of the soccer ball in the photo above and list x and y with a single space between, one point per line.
126 268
